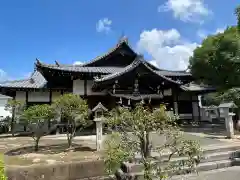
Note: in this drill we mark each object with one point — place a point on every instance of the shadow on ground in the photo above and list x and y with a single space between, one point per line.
50 149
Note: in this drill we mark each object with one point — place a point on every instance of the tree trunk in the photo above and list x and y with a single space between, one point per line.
12 121
146 145
69 139
36 144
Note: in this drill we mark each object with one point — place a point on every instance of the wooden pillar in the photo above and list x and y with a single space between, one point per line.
191 99
175 102
50 96
199 110
26 98
85 86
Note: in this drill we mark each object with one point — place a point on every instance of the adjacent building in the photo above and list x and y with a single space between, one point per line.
3 102
120 76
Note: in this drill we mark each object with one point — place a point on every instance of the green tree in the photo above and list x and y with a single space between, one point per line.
219 57
75 111
37 118
131 135
16 108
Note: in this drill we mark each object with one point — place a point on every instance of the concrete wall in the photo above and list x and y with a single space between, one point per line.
63 171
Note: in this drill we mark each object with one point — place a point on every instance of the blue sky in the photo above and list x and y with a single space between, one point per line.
166 31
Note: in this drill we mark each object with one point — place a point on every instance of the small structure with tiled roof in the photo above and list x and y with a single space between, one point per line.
120 75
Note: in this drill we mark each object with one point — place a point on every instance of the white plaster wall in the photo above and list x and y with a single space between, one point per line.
3 112
38 96
55 95
78 87
21 96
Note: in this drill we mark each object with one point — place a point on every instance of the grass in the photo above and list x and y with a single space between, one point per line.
19 151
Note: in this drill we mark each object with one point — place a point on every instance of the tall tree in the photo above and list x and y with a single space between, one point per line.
15 107
75 110
131 135
219 57
37 118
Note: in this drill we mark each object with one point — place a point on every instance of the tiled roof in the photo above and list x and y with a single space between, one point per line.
123 40
196 87
139 60
173 73
35 81
106 70
79 68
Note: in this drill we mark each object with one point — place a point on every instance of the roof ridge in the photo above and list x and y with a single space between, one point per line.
111 50
10 81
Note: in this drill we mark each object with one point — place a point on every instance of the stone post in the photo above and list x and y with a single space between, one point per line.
229 125
98 133
224 110
98 111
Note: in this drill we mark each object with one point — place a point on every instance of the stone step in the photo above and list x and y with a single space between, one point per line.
201 167
221 149
110 177
136 167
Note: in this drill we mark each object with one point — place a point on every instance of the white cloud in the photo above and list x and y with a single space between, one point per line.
202 34
3 76
186 10
77 63
104 25
220 30
167 48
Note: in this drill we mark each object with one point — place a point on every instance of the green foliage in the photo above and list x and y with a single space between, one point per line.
218 56
237 13
116 153
36 118
2 169
132 131
15 107
230 95
75 110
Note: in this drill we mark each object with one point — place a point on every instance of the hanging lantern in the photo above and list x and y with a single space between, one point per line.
120 101
114 89
161 95
142 102
129 102
158 89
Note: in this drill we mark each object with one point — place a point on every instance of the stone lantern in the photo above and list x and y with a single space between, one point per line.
225 111
98 118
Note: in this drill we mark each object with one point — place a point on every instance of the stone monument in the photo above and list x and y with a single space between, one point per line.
99 118
227 114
